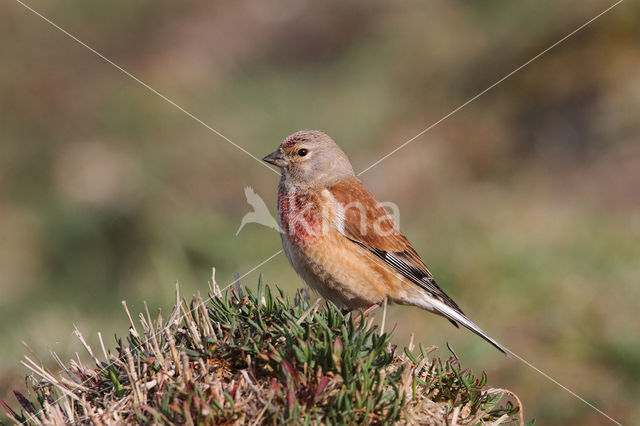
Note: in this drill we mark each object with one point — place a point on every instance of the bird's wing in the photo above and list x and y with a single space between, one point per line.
366 223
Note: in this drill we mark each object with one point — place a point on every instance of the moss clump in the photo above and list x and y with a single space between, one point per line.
243 357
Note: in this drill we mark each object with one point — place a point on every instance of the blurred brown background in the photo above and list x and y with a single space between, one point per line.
525 204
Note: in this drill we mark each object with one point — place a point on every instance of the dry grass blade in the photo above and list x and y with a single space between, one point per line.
259 358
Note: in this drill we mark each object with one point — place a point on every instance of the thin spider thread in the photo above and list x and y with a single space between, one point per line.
363 171
492 86
180 317
572 393
145 85
524 361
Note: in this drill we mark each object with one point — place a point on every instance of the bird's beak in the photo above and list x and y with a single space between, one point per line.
276 158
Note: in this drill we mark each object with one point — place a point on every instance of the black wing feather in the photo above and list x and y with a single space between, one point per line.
416 275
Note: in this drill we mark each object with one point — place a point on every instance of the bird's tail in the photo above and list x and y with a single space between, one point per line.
453 315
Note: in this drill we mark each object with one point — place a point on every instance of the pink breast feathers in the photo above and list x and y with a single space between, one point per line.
300 217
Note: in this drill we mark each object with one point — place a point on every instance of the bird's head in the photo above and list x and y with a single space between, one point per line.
312 159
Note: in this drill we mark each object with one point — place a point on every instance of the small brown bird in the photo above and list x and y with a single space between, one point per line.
341 241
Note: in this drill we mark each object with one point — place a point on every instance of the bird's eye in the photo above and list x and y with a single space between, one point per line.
302 152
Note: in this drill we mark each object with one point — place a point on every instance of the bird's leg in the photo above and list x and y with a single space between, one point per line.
366 312
371 309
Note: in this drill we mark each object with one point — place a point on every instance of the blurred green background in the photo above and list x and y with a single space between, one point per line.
524 204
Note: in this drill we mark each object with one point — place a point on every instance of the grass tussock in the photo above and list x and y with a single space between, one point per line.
256 357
